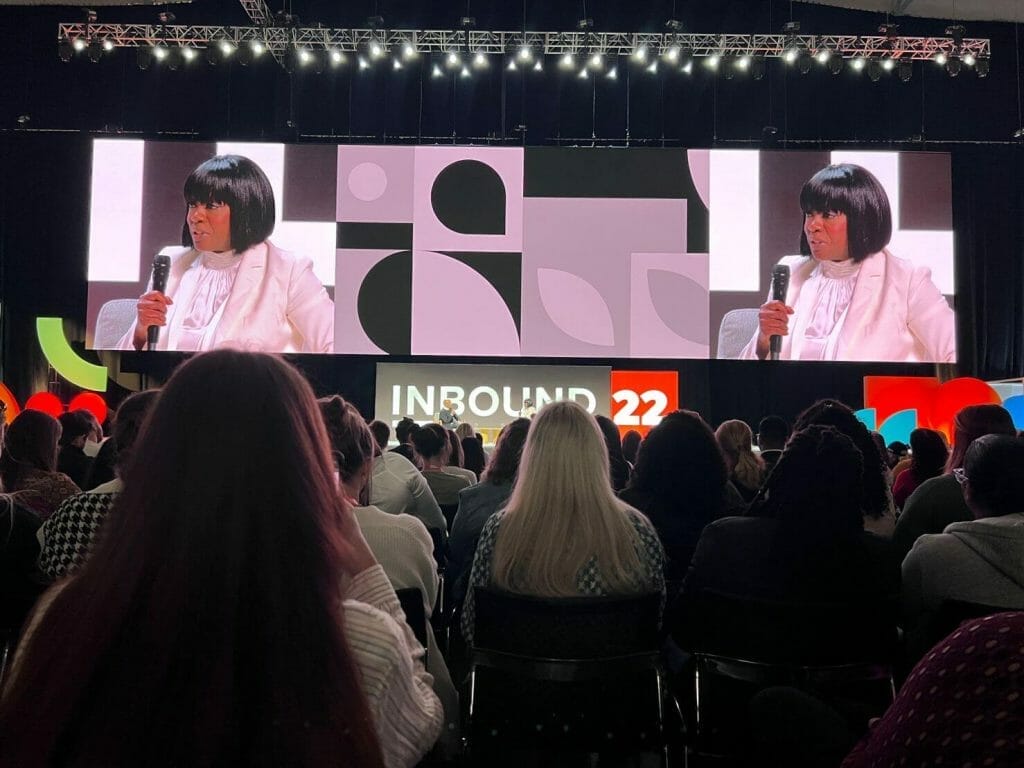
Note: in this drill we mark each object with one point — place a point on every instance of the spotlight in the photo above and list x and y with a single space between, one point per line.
835 64
108 45
612 74
160 52
858 63
874 70
941 59
257 48
743 63
337 57
671 54
144 57
480 60
686 59
597 61
791 54
687 68
888 64
226 47
953 66
511 65
525 54
758 67
305 57
969 59
713 61
640 54
823 56
374 48
583 74
436 71
905 70
79 44
568 61
396 64
453 60
188 53
65 49
983 67
652 68
408 50
465 72
363 64
538 66
803 62
95 51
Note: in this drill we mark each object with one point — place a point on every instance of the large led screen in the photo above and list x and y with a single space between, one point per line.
508 252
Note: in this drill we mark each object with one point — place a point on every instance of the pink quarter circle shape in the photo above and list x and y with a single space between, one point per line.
367 182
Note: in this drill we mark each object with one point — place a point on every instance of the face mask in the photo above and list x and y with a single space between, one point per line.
91 447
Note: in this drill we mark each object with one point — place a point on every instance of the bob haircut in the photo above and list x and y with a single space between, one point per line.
240 184
850 189
30 443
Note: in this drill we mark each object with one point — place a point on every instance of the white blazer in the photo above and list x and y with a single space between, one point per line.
896 314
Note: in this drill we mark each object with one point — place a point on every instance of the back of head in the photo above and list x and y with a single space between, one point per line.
612 438
736 440
875 496
75 425
30 443
473 456
381 433
431 442
815 489
929 454
128 423
772 433
562 511
508 450
630 445
404 429
994 466
973 421
351 441
229 523
888 459
680 466
455 455
464 430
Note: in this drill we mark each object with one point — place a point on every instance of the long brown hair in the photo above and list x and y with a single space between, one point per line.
205 628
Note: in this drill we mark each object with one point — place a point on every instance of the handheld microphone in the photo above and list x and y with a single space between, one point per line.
780 286
161 268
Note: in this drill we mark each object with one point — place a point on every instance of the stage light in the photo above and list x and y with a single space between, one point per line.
95 51
583 74
941 59
396 64
953 66
687 68
226 47
480 60
791 54
906 70
613 73
65 49
363 64
538 66
257 48
305 57
436 71
672 54
713 61
758 67
453 60
652 68
79 44
337 57
568 61
640 54
160 52
511 65
465 72
983 67
743 63
144 57
188 53
525 54
408 50
858 63
874 70
969 59
823 56
835 64
108 45
374 48
597 61
888 64
686 58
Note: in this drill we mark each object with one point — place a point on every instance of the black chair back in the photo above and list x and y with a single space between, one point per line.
951 614
415 616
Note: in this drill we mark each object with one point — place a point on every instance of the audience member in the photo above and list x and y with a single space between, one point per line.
962 705
210 606
464 430
772 433
679 483
898 451
67 537
939 502
398 487
563 532
981 560
433 449
618 467
478 502
75 428
928 458
400 543
879 510
456 458
20 585
403 433
28 463
804 540
630 445
746 470
381 434
473 457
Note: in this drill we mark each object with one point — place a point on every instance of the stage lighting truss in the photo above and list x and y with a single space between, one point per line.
523 50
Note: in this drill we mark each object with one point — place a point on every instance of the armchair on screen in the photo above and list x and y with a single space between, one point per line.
737 328
115 318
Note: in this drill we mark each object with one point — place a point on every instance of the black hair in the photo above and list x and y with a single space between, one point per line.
930 454
772 432
73 425
431 441
128 423
405 428
994 465
473 456
508 450
240 184
854 191
381 431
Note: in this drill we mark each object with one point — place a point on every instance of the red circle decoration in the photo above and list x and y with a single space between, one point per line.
45 402
90 401
953 395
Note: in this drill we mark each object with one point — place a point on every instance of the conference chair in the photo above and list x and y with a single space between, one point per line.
737 328
411 600
115 318
577 674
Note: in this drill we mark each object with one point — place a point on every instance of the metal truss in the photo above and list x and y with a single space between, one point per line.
278 40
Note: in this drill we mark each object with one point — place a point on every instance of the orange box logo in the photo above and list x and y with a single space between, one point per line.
641 399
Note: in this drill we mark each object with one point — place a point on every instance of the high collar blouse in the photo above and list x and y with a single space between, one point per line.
825 301
201 296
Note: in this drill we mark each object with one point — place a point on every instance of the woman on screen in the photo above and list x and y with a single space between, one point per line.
229 286
849 297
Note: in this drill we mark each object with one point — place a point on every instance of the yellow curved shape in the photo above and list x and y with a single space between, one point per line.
65 360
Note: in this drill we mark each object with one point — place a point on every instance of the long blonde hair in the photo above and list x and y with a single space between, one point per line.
735 438
563 513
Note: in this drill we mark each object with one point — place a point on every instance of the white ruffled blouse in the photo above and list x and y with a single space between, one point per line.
200 299
825 301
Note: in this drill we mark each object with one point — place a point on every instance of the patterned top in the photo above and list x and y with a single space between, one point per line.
43 492
962 705
66 538
589 581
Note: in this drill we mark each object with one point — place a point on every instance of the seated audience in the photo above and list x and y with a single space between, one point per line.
403 433
938 502
929 457
473 457
772 434
478 502
804 541
962 705
381 434
433 449
618 467
679 483
456 459
400 543
232 598
464 430
20 584
66 538
28 463
75 428
398 487
981 560
563 533
746 470
879 510
631 445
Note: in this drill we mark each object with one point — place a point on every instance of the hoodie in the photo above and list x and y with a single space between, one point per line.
978 561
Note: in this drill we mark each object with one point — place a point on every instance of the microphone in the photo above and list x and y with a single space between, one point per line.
780 286
161 268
